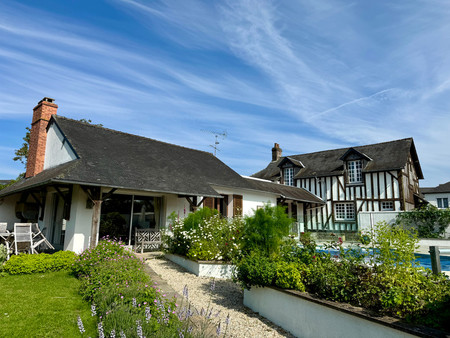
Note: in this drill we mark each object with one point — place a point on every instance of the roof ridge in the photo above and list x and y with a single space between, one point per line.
125 133
344 148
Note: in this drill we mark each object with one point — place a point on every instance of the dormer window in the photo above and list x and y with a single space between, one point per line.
288 175
289 167
354 161
354 170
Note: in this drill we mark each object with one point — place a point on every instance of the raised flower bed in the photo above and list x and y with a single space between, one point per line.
305 316
214 269
204 242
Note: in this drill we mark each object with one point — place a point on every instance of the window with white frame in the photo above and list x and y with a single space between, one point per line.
344 211
442 203
288 174
354 169
387 206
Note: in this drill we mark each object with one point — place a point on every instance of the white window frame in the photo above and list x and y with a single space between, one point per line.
387 206
344 211
288 176
442 202
354 171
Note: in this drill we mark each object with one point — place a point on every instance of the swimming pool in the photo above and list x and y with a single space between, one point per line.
423 260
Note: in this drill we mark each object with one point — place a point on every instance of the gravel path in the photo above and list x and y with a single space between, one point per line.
227 298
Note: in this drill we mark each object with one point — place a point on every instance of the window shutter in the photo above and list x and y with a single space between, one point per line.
208 202
237 205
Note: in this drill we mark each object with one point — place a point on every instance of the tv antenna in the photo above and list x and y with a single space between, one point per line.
216 134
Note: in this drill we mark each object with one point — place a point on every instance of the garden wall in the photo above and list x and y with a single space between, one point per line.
305 316
203 268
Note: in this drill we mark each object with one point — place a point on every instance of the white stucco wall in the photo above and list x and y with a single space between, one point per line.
178 205
57 150
432 198
7 210
78 228
251 199
304 318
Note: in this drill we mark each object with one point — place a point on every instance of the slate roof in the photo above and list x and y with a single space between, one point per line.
290 193
441 188
391 155
115 159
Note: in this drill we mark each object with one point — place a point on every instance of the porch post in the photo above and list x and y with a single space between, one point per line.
95 222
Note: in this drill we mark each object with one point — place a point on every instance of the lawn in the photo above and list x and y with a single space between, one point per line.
43 305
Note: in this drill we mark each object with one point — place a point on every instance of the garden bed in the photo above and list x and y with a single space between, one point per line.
215 269
305 316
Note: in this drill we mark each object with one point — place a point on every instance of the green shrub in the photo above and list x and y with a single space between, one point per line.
395 246
256 270
3 255
288 276
122 293
205 235
429 221
107 249
24 263
265 230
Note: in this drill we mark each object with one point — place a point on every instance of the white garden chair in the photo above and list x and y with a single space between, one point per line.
23 238
6 237
39 237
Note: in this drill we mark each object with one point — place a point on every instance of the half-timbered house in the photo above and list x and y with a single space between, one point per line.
376 177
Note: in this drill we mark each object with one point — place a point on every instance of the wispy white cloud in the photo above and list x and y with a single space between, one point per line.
310 75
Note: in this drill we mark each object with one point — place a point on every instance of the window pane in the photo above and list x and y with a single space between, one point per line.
354 169
344 211
439 203
387 206
288 176
445 202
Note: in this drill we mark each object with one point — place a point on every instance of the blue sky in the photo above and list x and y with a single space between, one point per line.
309 75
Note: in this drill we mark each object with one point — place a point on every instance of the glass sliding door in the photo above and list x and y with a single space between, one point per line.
122 214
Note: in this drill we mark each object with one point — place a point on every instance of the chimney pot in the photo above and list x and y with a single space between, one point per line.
276 152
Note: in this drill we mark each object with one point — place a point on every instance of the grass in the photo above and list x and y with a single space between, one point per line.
43 305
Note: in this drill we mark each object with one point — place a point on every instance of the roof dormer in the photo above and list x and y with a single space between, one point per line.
354 163
289 167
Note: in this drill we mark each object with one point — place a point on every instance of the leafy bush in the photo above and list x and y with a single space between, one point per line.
24 263
205 235
123 295
265 230
391 285
288 276
3 255
395 246
429 221
107 249
256 270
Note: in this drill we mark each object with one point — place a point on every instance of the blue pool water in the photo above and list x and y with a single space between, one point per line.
421 259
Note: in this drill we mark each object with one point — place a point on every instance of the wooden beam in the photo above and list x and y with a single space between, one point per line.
108 194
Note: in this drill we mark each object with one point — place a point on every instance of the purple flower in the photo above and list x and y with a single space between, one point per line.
80 325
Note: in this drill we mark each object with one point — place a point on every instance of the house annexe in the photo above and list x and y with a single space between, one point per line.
377 177
84 180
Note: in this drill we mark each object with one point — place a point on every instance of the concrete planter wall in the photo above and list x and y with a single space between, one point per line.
203 268
305 316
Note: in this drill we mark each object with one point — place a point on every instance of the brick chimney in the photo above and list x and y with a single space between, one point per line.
38 135
276 152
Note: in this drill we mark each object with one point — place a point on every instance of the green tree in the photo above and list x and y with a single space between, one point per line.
265 230
22 152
